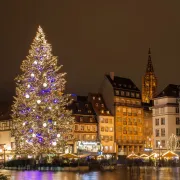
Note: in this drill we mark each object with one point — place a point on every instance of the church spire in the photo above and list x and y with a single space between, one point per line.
149 65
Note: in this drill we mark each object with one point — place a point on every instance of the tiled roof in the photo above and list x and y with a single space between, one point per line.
81 106
98 104
171 90
122 83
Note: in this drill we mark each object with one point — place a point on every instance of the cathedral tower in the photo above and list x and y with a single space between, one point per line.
149 82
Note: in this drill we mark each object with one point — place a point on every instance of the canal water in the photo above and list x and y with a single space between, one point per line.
119 174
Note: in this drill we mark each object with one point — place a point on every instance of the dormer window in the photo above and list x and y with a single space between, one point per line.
96 104
102 105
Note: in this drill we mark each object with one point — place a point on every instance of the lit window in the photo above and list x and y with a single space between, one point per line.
107 112
122 93
81 119
137 95
157 122
93 97
127 94
99 98
163 132
91 119
102 105
82 128
102 111
111 129
76 127
102 128
177 121
96 104
162 121
117 92
106 129
79 110
157 132
89 111
177 131
102 120
132 95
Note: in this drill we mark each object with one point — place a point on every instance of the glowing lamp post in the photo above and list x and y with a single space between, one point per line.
159 144
4 154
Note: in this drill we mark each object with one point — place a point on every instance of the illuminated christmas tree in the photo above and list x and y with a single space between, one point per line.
41 121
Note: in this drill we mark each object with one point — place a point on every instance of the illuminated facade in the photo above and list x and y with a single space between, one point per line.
123 99
105 124
149 82
85 130
166 117
6 139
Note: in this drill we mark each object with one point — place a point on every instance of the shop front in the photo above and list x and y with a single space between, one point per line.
88 147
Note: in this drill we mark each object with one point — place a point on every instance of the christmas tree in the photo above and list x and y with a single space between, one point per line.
42 122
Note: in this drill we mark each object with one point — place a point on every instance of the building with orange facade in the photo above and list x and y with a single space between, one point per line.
123 98
105 124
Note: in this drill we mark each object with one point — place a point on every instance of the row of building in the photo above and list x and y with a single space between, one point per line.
119 119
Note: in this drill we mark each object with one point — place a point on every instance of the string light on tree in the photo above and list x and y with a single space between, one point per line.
27 96
38 101
39 108
44 124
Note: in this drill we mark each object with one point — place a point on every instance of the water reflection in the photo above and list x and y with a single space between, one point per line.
119 174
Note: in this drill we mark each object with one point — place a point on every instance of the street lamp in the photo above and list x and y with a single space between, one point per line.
159 143
4 154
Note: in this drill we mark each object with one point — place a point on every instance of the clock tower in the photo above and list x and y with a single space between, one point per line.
149 82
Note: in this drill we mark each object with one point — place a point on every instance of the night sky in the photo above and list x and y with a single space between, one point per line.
91 38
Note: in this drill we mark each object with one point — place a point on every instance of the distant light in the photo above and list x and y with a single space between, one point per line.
32 75
35 62
58 135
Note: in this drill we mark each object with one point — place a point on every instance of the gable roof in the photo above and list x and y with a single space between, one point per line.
171 90
122 83
98 104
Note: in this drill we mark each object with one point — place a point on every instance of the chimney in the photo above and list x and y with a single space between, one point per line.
111 74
